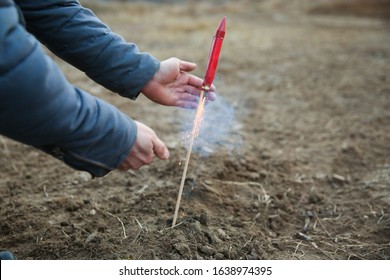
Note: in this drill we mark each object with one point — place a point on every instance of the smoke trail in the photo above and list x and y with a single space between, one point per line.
218 130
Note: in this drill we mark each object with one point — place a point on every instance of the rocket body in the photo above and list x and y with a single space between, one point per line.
214 55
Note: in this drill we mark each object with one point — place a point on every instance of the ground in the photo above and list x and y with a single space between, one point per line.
292 162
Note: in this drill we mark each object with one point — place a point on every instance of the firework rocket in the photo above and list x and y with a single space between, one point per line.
208 80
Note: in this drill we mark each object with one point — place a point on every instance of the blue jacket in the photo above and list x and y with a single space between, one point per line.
39 107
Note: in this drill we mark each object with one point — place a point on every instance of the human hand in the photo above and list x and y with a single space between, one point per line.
172 85
146 145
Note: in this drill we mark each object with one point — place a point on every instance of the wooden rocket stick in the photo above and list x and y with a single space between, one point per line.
194 133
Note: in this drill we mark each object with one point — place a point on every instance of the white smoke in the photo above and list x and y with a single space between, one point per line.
219 129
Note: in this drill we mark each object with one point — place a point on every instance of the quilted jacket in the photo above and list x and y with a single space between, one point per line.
39 107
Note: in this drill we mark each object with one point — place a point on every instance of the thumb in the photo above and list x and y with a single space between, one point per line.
160 149
186 66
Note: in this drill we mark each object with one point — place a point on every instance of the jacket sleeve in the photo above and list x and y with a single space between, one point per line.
40 108
75 34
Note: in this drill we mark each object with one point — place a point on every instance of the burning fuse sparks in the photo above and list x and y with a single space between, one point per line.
211 69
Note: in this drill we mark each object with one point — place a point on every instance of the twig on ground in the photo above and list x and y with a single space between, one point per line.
123 225
321 250
166 228
142 189
321 224
254 221
44 191
338 248
296 250
372 210
139 224
141 229
381 217
67 236
249 241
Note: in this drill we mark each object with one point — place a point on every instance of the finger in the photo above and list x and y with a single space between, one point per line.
186 66
212 88
198 82
160 149
211 96
195 81
132 163
135 165
192 94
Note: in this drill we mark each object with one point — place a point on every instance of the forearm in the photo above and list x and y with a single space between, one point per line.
76 35
40 108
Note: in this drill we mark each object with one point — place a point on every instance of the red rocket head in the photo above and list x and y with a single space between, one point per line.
221 30
214 54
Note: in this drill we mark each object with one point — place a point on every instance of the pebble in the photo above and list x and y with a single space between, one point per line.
219 256
207 250
203 218
84 176
222 234
91 237
183 249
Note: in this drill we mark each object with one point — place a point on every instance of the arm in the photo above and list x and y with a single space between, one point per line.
76 35
40 108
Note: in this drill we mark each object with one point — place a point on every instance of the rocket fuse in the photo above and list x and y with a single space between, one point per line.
215 50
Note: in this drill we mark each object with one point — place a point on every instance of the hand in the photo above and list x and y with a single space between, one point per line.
172 85
146 145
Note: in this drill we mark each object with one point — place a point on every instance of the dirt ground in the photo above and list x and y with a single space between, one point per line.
292 162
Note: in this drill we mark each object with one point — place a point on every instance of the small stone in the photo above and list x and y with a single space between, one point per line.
207 250
203 218
64 224
338 178
91 237
222 234
84 177
183 249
